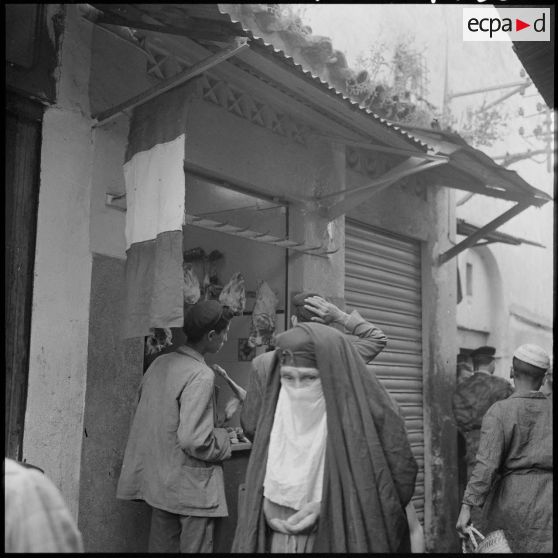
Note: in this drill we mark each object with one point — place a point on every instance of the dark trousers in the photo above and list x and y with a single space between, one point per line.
172 533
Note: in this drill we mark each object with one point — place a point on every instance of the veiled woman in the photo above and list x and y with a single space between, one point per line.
331 469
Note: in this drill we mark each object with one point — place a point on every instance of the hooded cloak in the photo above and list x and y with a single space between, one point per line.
369 473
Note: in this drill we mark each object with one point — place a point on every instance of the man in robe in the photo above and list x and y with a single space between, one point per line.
512 477
331 468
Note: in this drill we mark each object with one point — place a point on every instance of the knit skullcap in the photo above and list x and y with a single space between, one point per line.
203 316
533 354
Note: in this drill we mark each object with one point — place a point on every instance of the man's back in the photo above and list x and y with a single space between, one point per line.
475 395
172 459
526 422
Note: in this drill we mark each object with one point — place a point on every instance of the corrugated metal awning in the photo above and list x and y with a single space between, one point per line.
199 21
537 58
477 172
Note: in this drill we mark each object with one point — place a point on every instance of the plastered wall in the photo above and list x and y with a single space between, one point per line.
439 361
114 374
60 314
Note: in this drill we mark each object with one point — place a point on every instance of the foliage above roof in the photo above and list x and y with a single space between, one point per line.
281 26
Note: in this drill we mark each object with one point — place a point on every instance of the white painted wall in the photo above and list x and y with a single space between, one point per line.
61 292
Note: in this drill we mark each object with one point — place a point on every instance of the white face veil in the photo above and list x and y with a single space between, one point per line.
297 444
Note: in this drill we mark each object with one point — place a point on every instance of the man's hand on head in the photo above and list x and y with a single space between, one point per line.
325 312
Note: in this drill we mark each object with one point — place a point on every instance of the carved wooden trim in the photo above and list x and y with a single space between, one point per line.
254 110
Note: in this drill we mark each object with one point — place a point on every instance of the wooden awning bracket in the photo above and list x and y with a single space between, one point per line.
472 239
355 196
196 69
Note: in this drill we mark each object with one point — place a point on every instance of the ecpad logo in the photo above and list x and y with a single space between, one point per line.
505 24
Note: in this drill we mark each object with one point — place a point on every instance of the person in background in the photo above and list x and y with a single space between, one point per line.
309 307
331 468
473 396
36 517
174 452
464 367
512 478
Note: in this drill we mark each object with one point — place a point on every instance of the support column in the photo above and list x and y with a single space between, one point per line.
439 357
61 291
307 272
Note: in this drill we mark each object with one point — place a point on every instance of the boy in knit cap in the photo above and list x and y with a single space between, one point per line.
512 478
173 458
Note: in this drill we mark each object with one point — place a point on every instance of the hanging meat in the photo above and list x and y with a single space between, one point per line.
214 259
233 294
263 316
191 285
158 339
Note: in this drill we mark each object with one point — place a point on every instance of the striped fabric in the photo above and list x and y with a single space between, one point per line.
155 198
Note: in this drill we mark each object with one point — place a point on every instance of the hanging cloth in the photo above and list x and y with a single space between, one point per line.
155 200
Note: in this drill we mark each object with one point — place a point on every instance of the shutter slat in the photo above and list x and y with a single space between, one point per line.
393 330
381 316
384 276
404 304
385 371
399 358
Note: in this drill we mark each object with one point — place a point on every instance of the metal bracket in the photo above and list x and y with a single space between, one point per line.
477 235
196 69
355 196
117 201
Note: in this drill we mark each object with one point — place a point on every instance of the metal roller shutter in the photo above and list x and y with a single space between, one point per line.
383 283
